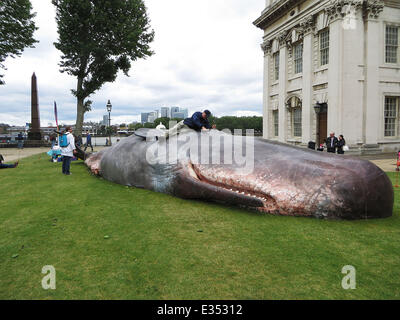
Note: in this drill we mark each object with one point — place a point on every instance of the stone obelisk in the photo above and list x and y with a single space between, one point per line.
34 132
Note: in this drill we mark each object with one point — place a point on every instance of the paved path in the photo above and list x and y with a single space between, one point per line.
385 161
386 164
12 154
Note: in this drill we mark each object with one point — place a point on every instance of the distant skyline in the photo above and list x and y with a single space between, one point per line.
207 55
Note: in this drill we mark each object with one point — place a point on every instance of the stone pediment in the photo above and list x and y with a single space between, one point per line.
334 9
274 12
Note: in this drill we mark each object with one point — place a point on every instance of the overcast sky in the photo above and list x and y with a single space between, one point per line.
207 55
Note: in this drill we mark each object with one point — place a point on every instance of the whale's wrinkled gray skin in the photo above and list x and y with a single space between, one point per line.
284 180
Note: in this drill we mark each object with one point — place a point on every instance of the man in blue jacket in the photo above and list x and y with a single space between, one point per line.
88 140
199 121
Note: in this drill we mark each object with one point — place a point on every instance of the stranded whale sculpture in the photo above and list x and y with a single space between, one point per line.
272 177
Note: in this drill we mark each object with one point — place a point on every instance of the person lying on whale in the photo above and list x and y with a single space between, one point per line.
198 121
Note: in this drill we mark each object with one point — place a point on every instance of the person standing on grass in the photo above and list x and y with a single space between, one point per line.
7 166
68 152
88 140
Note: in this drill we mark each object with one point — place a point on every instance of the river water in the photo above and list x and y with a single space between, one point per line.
101 141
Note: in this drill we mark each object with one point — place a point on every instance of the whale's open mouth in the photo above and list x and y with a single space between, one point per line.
245 195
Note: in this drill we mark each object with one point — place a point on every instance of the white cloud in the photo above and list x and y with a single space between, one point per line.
207 54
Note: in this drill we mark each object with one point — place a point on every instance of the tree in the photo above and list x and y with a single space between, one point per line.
16 29
97 39
243 123
137 126
164 120
149 125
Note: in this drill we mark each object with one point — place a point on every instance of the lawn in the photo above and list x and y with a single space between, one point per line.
161 247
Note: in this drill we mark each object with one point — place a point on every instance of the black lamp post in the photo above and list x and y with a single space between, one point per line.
109 107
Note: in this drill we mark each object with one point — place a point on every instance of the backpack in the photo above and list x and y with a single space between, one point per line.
63 141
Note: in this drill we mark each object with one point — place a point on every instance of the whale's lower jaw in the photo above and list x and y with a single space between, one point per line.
191 184
278 201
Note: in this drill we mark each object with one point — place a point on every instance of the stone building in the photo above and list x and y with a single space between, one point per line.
332 65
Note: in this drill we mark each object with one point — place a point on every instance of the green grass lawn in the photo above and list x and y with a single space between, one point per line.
161 247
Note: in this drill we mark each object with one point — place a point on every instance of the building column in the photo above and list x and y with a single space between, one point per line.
351 113
335 74
266 47
282 91
372 96
307 108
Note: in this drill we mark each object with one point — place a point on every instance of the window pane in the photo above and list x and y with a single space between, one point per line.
390 116
296 114
391 40
276 66
391 35
276 122
324 47
298 58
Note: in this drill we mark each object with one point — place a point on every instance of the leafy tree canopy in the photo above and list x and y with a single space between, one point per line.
226 122
16 29
97 39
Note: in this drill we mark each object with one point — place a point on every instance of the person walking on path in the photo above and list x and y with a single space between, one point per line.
331 143
68 151
88 140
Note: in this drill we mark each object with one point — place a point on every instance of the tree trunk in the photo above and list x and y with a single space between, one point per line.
80 111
